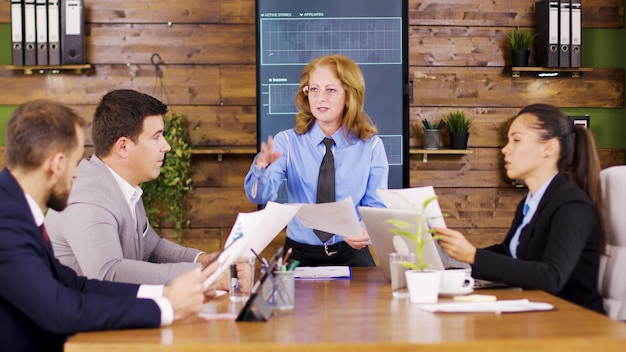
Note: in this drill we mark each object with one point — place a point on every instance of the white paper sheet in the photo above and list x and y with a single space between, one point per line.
504 306
323 272
393 198
337 217
262 226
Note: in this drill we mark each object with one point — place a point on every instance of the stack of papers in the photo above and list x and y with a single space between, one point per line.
504 306
323 272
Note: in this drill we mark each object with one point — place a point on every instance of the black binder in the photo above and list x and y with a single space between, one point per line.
72 32
547 33
54 31
41 11
576 34
564 33
17 31
30 33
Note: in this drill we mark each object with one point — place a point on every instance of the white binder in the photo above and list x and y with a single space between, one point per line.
54 28
564 33
30 34
17 37
41 12
576 35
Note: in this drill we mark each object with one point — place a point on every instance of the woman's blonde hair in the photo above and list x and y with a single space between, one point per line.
355 121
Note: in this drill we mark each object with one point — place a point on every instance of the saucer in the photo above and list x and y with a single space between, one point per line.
465 291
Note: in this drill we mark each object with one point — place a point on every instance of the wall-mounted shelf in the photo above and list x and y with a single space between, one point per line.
28 70
425 152
575 72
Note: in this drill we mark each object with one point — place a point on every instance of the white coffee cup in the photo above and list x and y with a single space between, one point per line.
455 281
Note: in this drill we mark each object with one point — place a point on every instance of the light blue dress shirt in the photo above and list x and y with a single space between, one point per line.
530 207
361 168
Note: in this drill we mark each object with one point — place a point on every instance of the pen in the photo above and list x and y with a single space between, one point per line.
262 260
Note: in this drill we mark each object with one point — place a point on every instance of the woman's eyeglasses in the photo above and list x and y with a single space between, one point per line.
329 93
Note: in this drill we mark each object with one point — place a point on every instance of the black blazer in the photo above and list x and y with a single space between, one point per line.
41 301
559 250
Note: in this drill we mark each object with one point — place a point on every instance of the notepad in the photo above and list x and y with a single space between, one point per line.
323 272
504 306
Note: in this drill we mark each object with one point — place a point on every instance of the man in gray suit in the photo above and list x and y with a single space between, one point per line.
104 232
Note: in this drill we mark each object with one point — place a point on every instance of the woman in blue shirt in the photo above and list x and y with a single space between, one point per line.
556 238
330 102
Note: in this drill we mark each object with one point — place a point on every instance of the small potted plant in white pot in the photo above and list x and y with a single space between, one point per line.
423 284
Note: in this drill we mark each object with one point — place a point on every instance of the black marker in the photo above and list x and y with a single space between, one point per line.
234 280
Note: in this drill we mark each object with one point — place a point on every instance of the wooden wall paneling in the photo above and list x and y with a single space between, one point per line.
458 46
486 86
208 171
182 11
186 84
176 44
483 169
477 13
488 129
210 125
238 85
206 239
217 206
596 13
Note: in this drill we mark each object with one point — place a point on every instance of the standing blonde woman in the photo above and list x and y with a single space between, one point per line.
330 102
556 238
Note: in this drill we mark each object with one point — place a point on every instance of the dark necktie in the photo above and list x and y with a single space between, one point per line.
326 183
44 234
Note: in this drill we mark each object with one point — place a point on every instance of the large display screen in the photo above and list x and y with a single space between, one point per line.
373 33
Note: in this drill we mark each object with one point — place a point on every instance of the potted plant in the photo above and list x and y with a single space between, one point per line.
458 127
423 284
520 40
164 197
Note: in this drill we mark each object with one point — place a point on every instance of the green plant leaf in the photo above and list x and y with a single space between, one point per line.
164 197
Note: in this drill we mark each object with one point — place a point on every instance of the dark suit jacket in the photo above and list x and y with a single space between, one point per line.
41 301
559 250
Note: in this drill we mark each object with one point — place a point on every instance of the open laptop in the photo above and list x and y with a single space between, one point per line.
385 242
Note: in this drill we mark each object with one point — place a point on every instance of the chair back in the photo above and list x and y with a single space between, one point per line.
612 279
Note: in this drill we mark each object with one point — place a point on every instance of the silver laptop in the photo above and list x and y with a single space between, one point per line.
385 242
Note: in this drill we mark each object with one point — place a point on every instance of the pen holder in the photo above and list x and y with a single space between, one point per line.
432 139
279 290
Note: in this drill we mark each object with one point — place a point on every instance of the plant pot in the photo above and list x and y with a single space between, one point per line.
520 57
423 285
458 140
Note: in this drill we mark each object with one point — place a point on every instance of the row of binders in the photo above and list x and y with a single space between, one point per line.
47 32
558 29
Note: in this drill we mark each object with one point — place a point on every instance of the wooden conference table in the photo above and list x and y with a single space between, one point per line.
361 315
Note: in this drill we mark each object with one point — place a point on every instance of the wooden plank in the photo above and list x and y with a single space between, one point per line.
210 125
488 129
230 171
596 13
238 84
485 86
199 84
200 44
483 169
217 206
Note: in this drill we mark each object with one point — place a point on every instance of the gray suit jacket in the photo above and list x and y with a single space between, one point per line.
97 236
